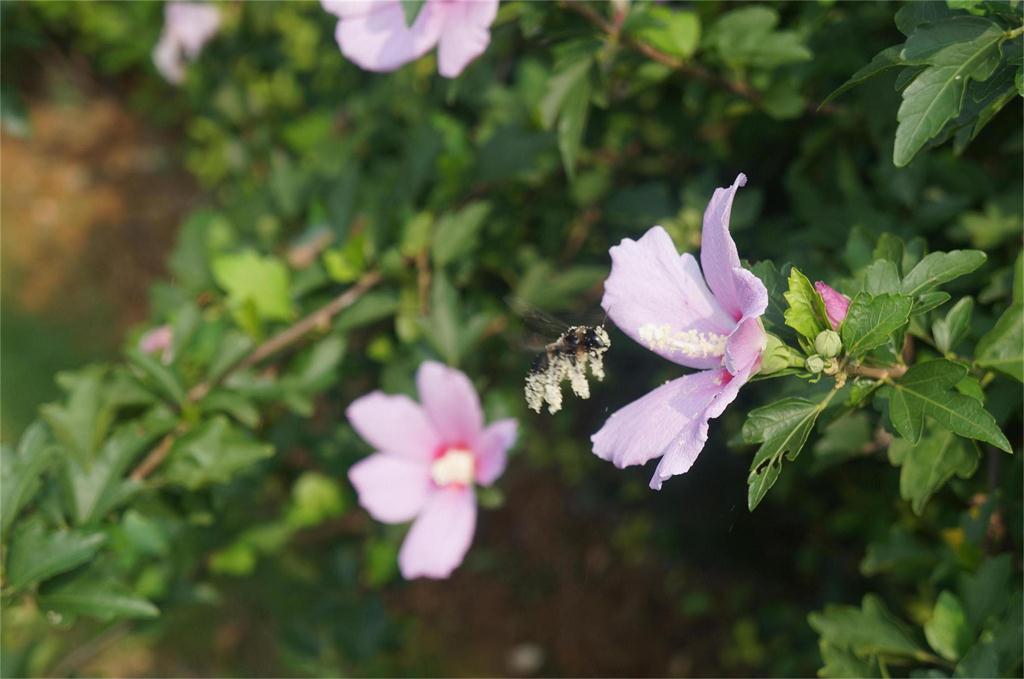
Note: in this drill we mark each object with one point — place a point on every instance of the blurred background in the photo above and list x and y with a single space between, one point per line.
119 190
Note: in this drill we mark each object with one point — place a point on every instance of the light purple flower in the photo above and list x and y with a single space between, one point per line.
660 299
187 27
428 459
158 341
836 303
375 36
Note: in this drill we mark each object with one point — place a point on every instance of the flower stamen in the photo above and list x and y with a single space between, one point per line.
454 466
690 343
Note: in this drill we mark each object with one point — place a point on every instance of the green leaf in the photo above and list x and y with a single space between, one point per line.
571 124
92 490
882 276
374 306
928 389
747 37
783 428
868 631
458 233
1002 347
881 62
984 592
441 327
806 312
249 278
936 94
929 301
842 664
212 453
940 267
559 86
347 263
951 330
927 465
37 553
669 30
567 100
947 630
890 248
234 404
776 419
872 320
900 552
932 37
412 9
82 421
96 597
914 14
21 470
158 374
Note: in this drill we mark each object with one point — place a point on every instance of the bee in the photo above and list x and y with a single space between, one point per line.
567 358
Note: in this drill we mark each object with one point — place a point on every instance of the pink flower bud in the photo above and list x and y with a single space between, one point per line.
836 303
157 341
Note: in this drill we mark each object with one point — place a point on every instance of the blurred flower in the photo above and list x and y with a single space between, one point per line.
429 457
836 303
662 301
157 341
187 27
376 37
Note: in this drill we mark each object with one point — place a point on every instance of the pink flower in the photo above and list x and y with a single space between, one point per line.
428 458
158 341
836 303
187 27
662 301
375 36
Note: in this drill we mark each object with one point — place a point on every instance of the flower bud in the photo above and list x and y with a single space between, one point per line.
828 343
814 364
836 303
778 356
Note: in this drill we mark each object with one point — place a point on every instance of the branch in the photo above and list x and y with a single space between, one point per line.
279 342
893 371
692 70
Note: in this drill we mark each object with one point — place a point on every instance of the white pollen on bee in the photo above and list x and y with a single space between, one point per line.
455 466
545 386
690 343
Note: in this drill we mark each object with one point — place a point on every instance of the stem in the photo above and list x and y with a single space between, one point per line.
89 650
282 340
1015 33
893 371
692 70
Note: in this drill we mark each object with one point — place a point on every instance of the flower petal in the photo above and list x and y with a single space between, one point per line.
451 403
440 536
652 287
683 451
466 34
379 40
192 24
744 347
646 428
836 303
718 256
751 294
168 60
492 450
394 424
391 488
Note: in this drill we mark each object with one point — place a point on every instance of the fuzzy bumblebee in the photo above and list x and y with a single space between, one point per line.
567 358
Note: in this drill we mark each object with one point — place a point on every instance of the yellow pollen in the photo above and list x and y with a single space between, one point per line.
691 343
457 465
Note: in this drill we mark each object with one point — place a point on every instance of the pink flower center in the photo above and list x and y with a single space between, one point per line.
453 466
